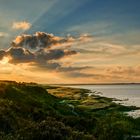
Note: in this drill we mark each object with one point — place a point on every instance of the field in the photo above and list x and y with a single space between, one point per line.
29 111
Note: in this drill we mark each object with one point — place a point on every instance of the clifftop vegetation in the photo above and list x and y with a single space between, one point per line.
33 112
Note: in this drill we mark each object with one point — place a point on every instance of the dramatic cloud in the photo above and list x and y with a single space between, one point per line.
23 25
45 40
22 55
19 55
43 50
83 58
53 54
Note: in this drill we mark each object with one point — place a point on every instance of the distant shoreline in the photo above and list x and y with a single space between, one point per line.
10 81
96 84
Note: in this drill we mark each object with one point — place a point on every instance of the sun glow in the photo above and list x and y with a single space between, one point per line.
5 60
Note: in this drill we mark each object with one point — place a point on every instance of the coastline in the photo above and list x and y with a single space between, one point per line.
126 96
93 99
32 111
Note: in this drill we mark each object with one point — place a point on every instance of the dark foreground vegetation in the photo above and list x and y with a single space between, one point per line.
33 112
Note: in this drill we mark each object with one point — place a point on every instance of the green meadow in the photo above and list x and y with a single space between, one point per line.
29 111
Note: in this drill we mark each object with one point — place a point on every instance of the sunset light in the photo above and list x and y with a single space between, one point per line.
5 60
69 69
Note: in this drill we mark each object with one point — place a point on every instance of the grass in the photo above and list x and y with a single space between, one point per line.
31 111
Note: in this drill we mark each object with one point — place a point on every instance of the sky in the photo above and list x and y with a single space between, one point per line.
70 41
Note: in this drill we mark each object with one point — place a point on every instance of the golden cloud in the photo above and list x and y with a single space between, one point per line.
41 50
23 25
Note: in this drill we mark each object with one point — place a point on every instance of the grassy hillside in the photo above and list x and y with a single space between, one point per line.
33 112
